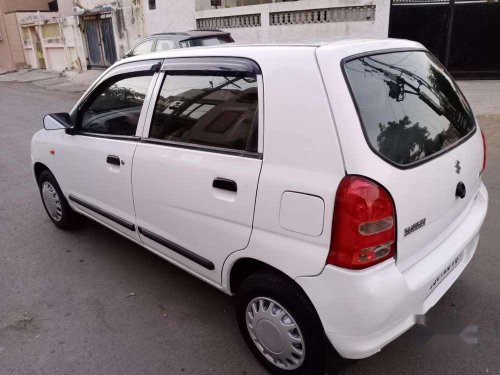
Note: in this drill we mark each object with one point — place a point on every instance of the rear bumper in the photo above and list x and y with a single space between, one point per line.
362 311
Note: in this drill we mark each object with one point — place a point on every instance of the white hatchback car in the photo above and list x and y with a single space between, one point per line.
334 189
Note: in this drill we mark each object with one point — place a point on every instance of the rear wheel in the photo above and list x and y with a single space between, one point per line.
280 325
55 203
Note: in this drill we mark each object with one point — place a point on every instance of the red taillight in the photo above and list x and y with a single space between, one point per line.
484 152
364 224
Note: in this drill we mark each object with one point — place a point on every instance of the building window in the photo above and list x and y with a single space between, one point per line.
152 4
53 7
51 30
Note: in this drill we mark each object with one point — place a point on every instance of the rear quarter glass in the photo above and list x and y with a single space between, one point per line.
410 108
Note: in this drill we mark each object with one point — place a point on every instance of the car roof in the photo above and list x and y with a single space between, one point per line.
341 48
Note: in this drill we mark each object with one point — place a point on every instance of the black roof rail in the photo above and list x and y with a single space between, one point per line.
208 30
171 33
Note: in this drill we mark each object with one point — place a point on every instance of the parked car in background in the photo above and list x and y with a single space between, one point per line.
337 205
166 41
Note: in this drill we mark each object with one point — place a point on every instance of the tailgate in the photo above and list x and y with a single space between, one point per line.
404 123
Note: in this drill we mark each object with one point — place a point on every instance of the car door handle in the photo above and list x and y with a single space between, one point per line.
112 159
225 184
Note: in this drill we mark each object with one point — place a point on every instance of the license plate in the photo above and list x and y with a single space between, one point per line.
446 271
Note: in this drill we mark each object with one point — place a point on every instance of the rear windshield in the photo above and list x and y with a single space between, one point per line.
208 41
409 106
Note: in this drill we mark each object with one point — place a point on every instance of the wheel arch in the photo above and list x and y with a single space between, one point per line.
244 267
38 168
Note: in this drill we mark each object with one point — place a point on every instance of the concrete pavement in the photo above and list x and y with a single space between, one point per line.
483 95
68 81
65 306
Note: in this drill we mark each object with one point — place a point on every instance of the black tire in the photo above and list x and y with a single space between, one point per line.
289 295
69 218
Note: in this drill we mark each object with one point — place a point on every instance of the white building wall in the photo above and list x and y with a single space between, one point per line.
55 58
328 31
170 15
53 47
73 43
128 25
132 20
65 7
27 43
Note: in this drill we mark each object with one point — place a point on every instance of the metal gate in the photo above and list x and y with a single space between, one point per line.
462 34
100 40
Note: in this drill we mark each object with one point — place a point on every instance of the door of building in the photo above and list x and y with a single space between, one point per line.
100 40
37 45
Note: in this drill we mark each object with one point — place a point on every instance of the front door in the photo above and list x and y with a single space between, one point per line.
196 170
96 162
40 57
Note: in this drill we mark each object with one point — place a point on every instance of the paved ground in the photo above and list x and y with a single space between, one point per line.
68 81
63 296
484 95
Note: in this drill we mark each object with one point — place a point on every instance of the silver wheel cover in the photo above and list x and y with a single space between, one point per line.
275 333
51 201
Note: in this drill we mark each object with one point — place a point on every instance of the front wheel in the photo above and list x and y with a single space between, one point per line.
55 203
280 325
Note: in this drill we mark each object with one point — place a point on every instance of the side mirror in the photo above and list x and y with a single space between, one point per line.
57 121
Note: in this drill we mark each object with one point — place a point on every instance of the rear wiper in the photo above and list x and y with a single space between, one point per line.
232 82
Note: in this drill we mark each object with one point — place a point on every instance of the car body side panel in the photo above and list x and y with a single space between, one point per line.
42 143
301 154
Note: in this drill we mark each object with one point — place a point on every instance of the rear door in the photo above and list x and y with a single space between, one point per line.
404 123
196 169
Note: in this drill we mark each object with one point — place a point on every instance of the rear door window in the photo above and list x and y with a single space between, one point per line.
410 108
208 108
209 41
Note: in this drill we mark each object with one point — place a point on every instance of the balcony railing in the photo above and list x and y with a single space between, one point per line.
228 22
345 14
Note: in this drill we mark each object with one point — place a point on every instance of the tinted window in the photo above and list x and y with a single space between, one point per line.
117 107
210 41
409 107
218 110
144 47
164 44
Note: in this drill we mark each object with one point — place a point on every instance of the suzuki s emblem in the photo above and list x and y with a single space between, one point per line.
458 168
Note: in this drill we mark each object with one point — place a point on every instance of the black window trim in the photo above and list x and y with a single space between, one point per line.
184 67
358 112
96 91
180 64
197 147
134 138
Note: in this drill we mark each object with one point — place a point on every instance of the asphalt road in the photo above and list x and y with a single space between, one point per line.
66 305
